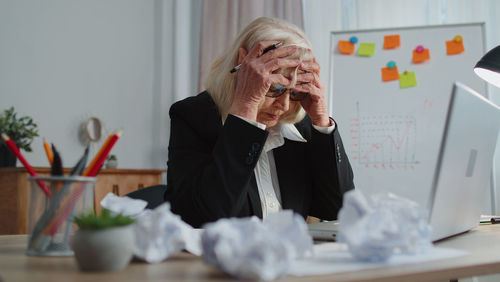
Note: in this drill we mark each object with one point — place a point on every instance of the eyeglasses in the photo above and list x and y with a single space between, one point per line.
277 90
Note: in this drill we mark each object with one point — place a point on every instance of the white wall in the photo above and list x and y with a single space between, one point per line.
63 61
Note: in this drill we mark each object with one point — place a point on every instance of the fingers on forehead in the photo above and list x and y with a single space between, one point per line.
308 87
283 51
277 64
310 66
279 78
258 48
306 76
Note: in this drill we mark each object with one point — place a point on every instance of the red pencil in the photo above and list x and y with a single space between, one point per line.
12 146
103 154
98 155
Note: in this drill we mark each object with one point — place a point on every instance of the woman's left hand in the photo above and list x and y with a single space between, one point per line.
314 104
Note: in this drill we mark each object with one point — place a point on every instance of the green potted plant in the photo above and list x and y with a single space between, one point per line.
112 161
21 130
103 242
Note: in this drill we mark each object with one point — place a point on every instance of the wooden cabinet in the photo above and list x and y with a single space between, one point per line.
14 191
123 181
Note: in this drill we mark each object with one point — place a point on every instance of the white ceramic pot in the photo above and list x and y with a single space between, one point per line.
109 249
112 164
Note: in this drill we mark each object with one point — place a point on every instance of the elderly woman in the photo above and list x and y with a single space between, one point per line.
259 139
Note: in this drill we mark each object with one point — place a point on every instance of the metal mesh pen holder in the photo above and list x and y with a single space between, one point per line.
50 220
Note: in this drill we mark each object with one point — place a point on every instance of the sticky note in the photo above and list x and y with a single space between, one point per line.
346 47
407 79
391 41
455 46
389 74
419 57
366 49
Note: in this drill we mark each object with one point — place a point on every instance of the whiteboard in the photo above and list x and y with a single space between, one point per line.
392 134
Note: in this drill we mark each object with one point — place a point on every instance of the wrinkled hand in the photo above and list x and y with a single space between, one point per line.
256 76
314 104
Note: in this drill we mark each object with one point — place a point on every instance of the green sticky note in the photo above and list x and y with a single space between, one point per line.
366 49
407 79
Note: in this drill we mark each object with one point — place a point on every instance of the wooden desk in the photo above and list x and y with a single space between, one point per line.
483 243
15 192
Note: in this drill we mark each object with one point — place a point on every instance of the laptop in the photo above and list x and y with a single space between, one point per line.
464 163
462 170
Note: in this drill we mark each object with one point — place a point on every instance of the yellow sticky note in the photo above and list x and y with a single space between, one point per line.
407 79
366 49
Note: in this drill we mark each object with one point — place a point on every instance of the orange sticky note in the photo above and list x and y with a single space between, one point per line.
391 41
389 74
346 47
454 47
421 57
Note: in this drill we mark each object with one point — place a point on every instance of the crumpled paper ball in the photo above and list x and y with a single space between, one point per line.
376 228
159 233
124 205
248 248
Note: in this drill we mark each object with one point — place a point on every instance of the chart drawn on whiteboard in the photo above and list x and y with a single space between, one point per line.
385 141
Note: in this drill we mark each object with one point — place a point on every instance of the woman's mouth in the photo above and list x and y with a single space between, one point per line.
272 116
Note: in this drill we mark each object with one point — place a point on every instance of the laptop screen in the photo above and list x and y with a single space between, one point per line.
464 163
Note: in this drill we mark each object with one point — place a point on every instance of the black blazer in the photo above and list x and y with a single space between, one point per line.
211 166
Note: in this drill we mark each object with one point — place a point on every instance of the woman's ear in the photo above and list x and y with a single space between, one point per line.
242 53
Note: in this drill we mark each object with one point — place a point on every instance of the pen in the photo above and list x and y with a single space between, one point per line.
57 167
269 48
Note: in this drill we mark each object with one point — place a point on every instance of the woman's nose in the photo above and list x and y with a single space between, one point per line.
283 102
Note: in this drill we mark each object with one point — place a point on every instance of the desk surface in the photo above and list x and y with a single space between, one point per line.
483 243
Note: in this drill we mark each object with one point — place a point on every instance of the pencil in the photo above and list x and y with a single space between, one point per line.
269 48
48 151
98 155
94 168
12 146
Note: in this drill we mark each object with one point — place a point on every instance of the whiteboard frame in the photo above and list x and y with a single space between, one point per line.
334 35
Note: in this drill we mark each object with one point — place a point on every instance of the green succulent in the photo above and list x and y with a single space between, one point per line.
21 130
92 221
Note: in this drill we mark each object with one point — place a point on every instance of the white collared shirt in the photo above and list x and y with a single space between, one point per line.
265 170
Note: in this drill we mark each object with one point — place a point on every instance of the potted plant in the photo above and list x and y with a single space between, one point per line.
103 242
21 130
112 161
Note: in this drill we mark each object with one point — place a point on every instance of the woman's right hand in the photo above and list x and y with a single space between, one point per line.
255 76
